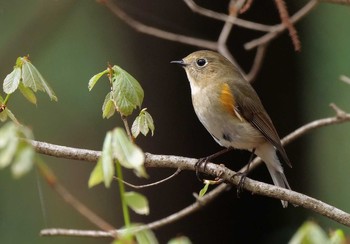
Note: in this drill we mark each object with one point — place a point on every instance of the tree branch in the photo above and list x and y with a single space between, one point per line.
140 27
278 29
216 170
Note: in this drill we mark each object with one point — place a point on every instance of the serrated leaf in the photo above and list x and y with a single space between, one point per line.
180 240
23 161
127 91
136 126
33 79
149 121
95 78
143 123
128 154
27 93
204 189
108 107
12 80
137 202
107 160
96 176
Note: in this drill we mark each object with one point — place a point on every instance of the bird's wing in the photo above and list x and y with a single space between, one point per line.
249 106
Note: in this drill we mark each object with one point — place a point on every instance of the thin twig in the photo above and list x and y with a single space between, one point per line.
140 27
151 184
127 128
226 18
257 64
52 181
278 29
226 30
78 233
282 9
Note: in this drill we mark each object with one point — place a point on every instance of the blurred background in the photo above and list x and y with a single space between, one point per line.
70 40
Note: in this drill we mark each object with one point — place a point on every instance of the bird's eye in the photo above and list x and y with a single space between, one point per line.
201 62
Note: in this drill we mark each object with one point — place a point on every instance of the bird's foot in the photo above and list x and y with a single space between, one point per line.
198 165
243 176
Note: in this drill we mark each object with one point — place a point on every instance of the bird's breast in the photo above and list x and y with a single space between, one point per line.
216 113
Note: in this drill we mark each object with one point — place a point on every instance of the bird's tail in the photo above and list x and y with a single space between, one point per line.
268 154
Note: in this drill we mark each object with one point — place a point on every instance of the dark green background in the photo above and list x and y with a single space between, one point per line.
70 40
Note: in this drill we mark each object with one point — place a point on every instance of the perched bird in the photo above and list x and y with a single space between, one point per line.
231 111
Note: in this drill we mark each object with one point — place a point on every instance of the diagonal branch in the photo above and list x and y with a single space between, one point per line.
278 29
149 30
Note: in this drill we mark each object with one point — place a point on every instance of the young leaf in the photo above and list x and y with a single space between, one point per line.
33 79
95 78
337 237
12 80
8 144
14 150
137 202
309 232
143 123
204 189
107 160
27 93
128 154
146 236
149 121
180 240
108 107
23 161
127 92
96 176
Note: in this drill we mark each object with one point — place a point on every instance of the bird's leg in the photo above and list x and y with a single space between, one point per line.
205 160
244 174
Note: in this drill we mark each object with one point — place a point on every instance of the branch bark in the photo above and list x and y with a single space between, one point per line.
183 163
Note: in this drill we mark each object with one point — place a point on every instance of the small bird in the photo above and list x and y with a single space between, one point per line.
231 111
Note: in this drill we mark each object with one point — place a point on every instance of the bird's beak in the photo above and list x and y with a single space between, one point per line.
179 62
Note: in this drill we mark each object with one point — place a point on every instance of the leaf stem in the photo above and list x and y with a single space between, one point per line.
6 99
127 128
122 194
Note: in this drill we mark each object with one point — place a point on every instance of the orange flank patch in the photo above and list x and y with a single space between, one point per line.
228 101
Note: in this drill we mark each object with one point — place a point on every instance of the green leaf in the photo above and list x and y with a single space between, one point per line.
107 160
137 202
12 80
180 240
104 169
204 189
127 91
27 93
8 113
149 120
95 78
14 150
8 145
23 161
146 236
128 154
143 123
33 79
108 107
337 237
96 176
309 232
